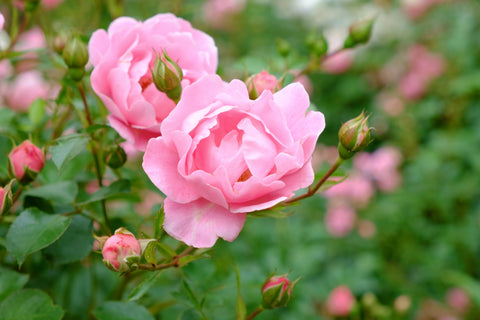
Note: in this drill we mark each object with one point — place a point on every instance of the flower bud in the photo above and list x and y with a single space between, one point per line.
167 76
277 291
354 136
59 42
340 302
121 252
359 33
260 82
25 162
75 55
316 44
283 47
115 157
5 199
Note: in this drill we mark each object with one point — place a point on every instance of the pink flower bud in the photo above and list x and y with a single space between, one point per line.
338 63
2 21
277 291
458 299
260 82
5 200
121 251
26 161
340 302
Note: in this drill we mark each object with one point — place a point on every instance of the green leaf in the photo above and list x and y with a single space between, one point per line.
29 304
62 192
36 111
241 307
140 290
67 148
150 253
165 250
191 295
114 310
119 188
277 212
158 223
11 281
33 230
183 261
75 244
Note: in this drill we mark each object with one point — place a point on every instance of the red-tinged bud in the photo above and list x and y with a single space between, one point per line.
60 41
260 82
167 76
75 55
115 157
25 162
121 252
359 33
5 199
354 136
340 302
277 291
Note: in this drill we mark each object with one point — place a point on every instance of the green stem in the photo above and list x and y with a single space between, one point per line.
173 263
312 190
255 313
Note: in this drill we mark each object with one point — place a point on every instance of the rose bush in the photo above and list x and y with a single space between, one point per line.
122 58
222 155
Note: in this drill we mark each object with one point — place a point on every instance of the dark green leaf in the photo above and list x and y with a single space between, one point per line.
33 230
36 111
158 223
62 192
29 304
241 307
114 310
166 251
11 281
67 148
140 290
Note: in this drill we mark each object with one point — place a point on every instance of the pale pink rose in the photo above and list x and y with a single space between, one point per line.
381 166
340 301
218 13
30 42
340 219
339 62
412 86
458 299
356 188
415 9
118 248
303 79
50 4
6 69
2 21
222 155
426 64
391 104
261 82
26 156
122 58
24 89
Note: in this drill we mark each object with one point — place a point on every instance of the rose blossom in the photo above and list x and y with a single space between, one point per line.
340 301
118 248
340 219
2 21
222 155
26 156
218 13
122 58
24 89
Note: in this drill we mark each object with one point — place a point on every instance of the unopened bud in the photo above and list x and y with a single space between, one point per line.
277 291
354 136
25 162
59 42
5 199
317 44
283 47
260 82
167 76
341 301
359 33
121 252
75 55
115 157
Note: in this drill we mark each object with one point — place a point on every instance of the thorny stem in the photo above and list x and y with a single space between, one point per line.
173 263
312 190
255 313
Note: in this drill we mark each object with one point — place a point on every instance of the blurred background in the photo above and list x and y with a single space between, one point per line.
399 239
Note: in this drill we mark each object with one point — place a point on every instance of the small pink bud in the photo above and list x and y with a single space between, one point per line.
26 161
277 291
5 199
121 252
354 136
260 82
458 299
340 301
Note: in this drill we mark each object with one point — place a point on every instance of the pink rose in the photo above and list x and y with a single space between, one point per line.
26 156
26 88
340 301
458 299
218 13
119 250
356 189
122 58
340 219
338 63
222 155
261 82
2 21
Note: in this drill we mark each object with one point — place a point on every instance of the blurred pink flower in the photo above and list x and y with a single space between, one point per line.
366 229
50 4
339 62
340 301
122 58
340 219
2 21
304 80
357 189
458 299
29 42
412 86
222 155
391 104
25 88
218 13
381 166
